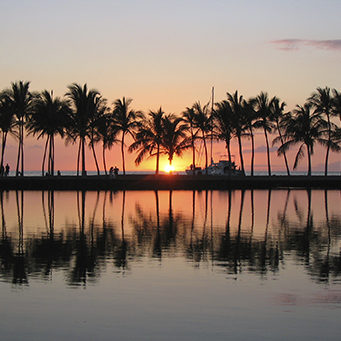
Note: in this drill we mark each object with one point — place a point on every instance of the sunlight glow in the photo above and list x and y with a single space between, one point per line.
169 168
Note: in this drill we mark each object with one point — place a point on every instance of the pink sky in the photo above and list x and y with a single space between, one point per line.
170 54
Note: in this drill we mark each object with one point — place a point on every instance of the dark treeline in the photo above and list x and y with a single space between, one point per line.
84 250
83 117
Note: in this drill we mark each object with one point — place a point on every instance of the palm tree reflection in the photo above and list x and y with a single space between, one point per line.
85 249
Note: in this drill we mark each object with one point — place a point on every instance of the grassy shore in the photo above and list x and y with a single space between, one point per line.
167 182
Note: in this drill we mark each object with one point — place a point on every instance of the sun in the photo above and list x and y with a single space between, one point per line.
169 168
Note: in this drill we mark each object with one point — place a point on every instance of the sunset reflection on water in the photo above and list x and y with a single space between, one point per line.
173 255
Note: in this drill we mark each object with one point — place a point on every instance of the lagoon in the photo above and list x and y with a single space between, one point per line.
170 265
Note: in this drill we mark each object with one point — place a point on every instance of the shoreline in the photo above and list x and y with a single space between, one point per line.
168 182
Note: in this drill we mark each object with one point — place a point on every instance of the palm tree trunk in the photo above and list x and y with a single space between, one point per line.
104 162
19 152
4 138
309 160
284 154
44 156
267 151
49 157
52 156
328 147
22 147
83 156
206 155
252 152
122 151
157 159
193 150
94 154
228 147
241 154
2 151
78 156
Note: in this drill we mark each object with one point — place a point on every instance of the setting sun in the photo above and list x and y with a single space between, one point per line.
169 168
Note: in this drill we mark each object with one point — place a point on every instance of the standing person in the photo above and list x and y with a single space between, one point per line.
7 169
2 170
111 171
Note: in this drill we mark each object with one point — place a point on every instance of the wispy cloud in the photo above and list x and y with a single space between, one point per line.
295 44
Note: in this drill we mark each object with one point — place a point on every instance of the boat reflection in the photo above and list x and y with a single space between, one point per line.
91 233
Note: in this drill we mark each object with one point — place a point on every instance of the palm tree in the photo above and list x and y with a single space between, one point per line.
6 124
98 113
85 104
203 121
249 119
188 117
304 127
278 116
262 107
336 103
149 137
322 100
173 140
20 100
223 124
107 133
126 121
50 117
238 120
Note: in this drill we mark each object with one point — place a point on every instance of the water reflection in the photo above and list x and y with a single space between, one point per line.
86 234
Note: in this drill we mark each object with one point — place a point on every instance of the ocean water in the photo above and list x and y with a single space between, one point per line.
170 265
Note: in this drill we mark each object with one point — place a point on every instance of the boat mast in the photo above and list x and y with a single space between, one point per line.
212 108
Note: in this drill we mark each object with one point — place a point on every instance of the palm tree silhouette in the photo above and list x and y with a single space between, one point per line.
107 133
262 106
20 100
126 121
304 127
336 103
173 140
203 121
148 138
250 117
85 105
95 121
6 124
188 117
223 127
238 120
278 116
322 100
50 116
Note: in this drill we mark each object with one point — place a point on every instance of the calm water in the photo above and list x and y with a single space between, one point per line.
179 265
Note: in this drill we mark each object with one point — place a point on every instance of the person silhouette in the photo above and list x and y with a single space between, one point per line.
7 169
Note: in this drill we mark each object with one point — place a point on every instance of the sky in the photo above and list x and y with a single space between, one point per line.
170 54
